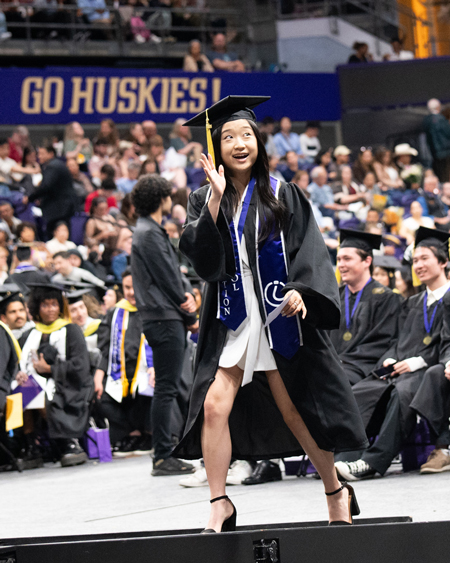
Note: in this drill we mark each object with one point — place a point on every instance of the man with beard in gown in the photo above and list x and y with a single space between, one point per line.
9 356
385 402
369 311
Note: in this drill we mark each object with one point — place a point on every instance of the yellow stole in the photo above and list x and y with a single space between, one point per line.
14 340
127 389
56 325
92 327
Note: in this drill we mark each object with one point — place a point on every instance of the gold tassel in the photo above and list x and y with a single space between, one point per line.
337 273
415 279
209 139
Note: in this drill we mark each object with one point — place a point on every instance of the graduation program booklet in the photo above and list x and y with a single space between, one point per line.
277 311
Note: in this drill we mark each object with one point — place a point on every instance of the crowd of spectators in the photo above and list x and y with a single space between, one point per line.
67 213
362 55
141 21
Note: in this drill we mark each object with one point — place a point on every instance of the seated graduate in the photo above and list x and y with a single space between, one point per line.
369 310
384 268
385 404
78 301
13 312
125 378
55 359
432 402
9 357
9 347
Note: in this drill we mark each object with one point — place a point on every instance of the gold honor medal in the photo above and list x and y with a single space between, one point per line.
347 336
427 340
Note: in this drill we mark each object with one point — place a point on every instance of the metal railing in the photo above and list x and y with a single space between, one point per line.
382 18
68 27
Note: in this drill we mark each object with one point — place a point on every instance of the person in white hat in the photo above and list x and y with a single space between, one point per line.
403 154
341 156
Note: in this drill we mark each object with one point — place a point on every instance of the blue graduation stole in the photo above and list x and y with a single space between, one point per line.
232 310
284 333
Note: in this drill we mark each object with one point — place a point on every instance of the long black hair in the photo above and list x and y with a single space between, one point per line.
269 207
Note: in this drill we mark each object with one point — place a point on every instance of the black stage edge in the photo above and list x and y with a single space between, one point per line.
381 540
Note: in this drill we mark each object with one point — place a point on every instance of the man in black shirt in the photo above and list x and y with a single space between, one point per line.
58 199
166 304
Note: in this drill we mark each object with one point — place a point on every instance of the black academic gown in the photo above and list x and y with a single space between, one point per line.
313 378
372 394
373 327
68 411
432 400
8 366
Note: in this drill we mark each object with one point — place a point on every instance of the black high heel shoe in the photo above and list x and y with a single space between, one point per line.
228 525
353 507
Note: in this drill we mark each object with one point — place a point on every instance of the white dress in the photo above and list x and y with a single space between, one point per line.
247 347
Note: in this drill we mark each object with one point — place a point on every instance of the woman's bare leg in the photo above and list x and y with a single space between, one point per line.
216 440
323 461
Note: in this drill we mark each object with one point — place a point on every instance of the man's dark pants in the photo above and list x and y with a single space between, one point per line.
168 342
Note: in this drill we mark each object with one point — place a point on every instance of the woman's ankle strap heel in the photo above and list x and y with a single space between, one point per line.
224 497
228 525
353 507
334 492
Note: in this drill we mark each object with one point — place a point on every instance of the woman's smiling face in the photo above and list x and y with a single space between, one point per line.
238 146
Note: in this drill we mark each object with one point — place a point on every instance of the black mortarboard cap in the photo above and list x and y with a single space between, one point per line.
389 263
73 286
77 294
47 285
368 242
114 284
9 291
230 108
432 237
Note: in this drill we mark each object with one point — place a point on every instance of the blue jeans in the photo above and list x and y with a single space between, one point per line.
168 342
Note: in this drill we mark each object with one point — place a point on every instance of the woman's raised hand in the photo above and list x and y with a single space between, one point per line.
216 177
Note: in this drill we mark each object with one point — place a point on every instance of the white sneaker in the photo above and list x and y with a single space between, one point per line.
197 479
238 471
354 470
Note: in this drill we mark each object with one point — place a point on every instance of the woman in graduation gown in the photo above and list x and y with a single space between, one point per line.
248 235
61 367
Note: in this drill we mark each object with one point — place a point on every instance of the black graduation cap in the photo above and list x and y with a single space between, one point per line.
432 237
388 263
77 295
46 285
9 291
72 286
113 284
350 238
230 108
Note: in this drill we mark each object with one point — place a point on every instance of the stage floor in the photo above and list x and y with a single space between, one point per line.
123 497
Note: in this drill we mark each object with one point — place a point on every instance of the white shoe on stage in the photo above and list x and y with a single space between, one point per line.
238 471
197 479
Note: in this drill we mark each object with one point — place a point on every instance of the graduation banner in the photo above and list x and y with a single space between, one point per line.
59 95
